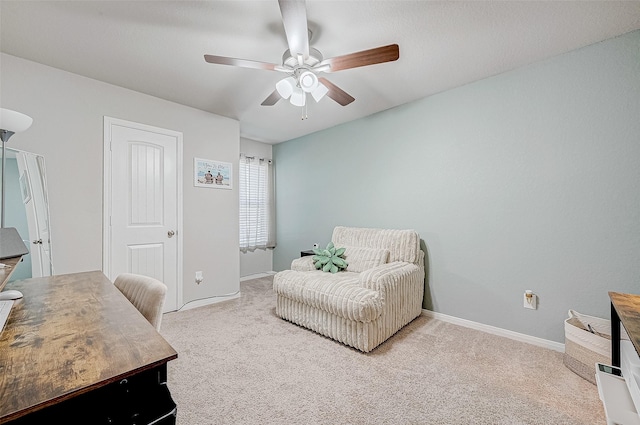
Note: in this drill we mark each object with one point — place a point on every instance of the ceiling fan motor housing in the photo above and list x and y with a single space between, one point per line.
291 61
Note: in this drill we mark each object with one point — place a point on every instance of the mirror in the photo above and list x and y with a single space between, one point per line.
28 211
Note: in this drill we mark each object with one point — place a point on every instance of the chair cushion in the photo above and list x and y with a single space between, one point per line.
361 259
338 293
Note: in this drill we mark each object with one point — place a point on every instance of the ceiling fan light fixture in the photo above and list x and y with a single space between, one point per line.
285 87
298 97
319 92
308 81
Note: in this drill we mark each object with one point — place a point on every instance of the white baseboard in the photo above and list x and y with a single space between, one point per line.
545 343
213 300
207 301
256 276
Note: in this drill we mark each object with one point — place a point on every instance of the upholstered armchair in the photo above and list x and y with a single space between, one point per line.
380 292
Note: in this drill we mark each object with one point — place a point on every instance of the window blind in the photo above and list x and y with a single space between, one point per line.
257 212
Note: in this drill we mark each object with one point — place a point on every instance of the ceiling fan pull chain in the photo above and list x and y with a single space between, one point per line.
304 108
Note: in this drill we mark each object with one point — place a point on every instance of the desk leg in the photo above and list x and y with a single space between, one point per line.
615 337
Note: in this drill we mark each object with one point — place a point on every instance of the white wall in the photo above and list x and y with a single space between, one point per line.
67 112
526 180
260 260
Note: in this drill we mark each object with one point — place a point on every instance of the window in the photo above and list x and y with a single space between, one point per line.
257 213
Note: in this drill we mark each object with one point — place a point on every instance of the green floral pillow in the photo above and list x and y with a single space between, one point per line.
330 259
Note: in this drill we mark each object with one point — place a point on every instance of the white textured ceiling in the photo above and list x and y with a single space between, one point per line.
157 48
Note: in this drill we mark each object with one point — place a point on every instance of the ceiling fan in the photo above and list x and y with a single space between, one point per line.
303 64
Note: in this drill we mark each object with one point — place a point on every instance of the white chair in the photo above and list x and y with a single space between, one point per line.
380 291
145 293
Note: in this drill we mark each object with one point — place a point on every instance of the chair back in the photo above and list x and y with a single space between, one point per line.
145 293
403 245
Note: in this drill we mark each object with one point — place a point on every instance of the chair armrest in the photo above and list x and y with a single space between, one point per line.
382 277
303 264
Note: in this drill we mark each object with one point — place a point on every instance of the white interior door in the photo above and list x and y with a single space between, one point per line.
28 193
144 215
32 184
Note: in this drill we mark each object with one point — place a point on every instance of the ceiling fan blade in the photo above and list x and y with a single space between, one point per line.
388 53
244 63
336 93
272 99
294 18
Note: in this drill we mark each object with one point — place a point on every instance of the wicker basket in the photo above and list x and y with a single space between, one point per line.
587 342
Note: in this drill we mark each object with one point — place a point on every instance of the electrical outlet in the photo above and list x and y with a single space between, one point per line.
530 300
199 278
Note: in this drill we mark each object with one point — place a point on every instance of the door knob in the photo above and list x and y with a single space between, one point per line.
170 233
37 242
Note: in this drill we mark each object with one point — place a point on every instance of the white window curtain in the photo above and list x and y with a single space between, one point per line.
257 210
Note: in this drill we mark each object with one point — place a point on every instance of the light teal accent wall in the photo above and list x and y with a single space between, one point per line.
525 180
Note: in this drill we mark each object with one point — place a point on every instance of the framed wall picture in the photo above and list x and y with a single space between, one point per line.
214 174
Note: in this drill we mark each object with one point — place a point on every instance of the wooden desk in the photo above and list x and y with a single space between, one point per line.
72 336
625 308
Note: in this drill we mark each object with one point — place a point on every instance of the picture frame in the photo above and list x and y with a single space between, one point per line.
212 174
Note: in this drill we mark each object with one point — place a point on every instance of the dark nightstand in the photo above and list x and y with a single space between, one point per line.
305 253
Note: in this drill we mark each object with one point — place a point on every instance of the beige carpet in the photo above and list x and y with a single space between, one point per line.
238 363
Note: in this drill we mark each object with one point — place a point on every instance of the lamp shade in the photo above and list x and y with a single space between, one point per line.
298 97
319 92
14 121
285 87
